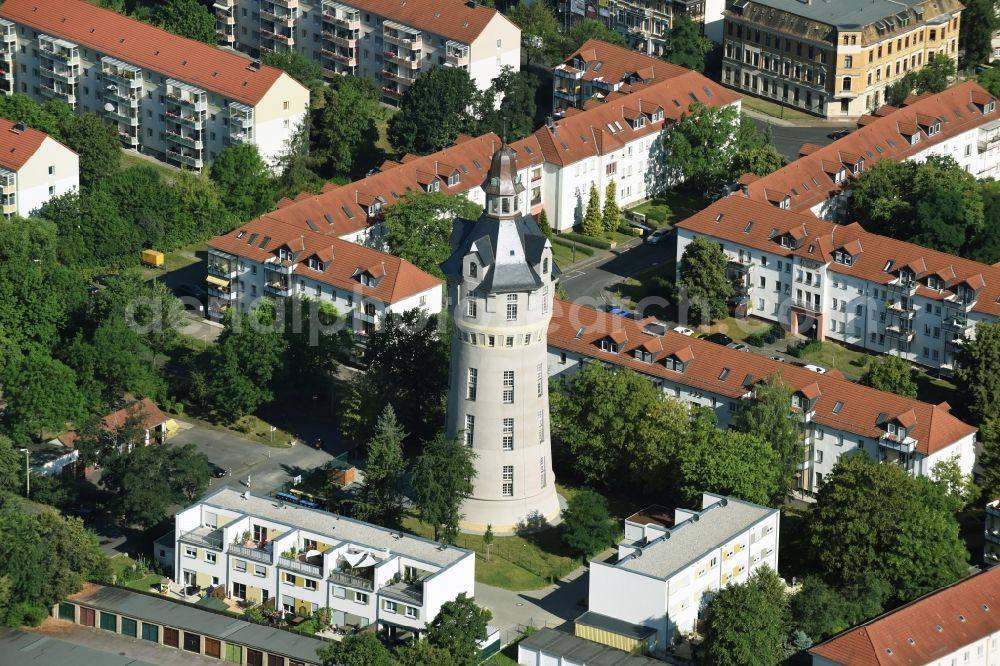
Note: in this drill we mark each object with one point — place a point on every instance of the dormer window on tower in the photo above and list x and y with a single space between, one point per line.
545 266
473 269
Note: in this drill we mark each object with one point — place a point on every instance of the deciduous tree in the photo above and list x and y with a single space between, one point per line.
458 628
978 374
187 18
422 653
41 396
540 37
305 70
418 227
703 276
244 181
820 610
515 116
892 374
979 20
98 144
361 649
747 623
686 43
586 29
587 528
442 479
344 127
730 462
434 110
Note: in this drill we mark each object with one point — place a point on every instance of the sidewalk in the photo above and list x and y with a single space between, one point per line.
785 122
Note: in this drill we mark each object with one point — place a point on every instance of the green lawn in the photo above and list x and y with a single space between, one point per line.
851 363
654 282
936 390
177 259
564 255
739 329
131 160
122 563
669 209
777 110
251 428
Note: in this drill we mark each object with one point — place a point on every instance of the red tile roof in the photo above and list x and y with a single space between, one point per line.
454 19
807 179
151 415
603 128
925 630
730 220
599 60
141 44
399 278
16 148
580 329
338 211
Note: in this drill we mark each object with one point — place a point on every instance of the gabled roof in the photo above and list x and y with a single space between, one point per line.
884 137
17 147
455 19
924 630
150 415
860 406
218 70
617 62
575 137
879 262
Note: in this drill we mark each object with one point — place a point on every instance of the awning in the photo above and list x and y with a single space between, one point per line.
217 281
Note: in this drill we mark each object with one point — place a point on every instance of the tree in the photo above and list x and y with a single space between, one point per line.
382 498
50 117
305 70
296 166
361 649
418 227
989 79
703 275
442 479
979 20
614 427
820 610
984 246
92 230
244 181
344 121
540 36
769 413
422 653
587 528
187 18
933 77
593 225
687 45
434 110
97 143
989 459
11 467
586 29
515 117
41 396
111 361
731 462
978 374
959 488
313 340
747 623
458 628
543 225
612 216
488 540
407 360
758 160
892 374
877 518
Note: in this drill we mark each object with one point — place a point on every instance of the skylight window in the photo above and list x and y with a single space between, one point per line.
837 407
746 229
724 374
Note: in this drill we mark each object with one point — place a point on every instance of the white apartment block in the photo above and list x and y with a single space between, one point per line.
954 625
646 24
616 141
34 167
961 122
825 280
839 416
261 549
268 259
387 41
671 561
176 99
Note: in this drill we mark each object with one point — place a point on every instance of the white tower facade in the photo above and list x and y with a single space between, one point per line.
501 282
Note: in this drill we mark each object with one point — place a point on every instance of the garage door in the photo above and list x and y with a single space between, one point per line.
67 612
192 642
130 627
255 657
109 621
213 648
171 637
234 653
86 616
150 632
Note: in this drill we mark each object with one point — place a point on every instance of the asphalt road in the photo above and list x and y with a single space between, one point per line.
788 140
588 282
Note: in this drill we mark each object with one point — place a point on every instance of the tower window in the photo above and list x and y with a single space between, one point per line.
470 308
541 471
470 428
508 386
541 425
473 269
545 266
508 481
511 307
508 434
505 203
473 383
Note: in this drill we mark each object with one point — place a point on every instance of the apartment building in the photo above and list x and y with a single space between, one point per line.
261 549
34 167
825 280
354 211
264 258
387 41
597 69
669 564
616 141
991 546
961 122
173 98
833 59
957 624
840 416
646 24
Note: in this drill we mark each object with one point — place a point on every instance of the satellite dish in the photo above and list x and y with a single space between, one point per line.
109 107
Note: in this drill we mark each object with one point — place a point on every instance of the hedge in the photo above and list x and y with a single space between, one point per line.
599 243
582 249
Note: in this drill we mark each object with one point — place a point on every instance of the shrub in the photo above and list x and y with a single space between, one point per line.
599 243
658 215
778 331
22 613
793 349
582 249
755 339
798 349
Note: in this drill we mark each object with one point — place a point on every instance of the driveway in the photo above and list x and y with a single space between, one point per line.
788 140
104 641
552 606
590 280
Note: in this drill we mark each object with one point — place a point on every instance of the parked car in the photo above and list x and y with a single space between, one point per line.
815 368
217 472
719 339
318 444
683 330
738 346
775 357
622 312
839 134
655 237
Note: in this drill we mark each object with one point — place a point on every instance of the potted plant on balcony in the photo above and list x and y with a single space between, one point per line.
246 537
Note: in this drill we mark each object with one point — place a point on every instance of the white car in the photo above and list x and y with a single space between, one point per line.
815 368
683 330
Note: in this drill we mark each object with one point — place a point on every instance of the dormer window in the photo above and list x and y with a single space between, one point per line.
787 241
315 264
990 107
841 257
609 345
473 269
915 138
374 208
839 176
453 179
934 128
906 276
859 166
284 254
432 186
658 115
935 283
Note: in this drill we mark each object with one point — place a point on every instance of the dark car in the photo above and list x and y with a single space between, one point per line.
192 290
719 339
839 134
217 472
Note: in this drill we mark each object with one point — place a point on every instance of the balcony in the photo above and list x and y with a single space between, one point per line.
262 555
350 580
68 96
959 323
399 77
993 536
903 333
341 16
403 60
347 59
187 96
58 49
209 537
125 115
286 20
304 568
193 119
456 54
287 4
277 36
396 33
894 442
8 181
807 306
186 158
904 287
278 288
570 94
189 140
902 310
221 267
62 74
411 593
347 40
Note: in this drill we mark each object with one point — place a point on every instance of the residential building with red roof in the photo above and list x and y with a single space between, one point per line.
833 59
958 624
616 141
960 122
270 259
177 99
840 415
387 41
34 167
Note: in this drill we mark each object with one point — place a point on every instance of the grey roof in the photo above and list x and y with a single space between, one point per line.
509 248
848 14
186 617
614 625
695 537
581 651
337 527
18 648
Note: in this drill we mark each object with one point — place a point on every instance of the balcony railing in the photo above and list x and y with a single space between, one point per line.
808 306
203 537
256 554
901 332
300 567
193 119
350 580
412 593
185 140
906 311
903 444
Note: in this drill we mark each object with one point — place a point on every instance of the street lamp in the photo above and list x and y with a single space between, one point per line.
27 473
